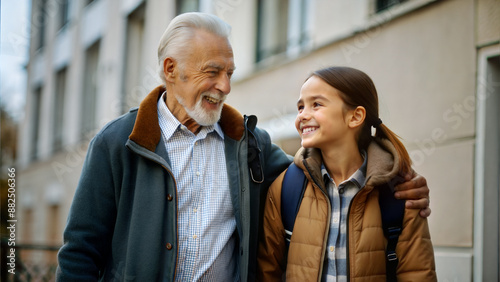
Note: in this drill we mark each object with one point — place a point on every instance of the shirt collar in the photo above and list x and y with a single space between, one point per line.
358 177
172 124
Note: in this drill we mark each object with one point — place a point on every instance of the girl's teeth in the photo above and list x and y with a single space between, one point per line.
308 129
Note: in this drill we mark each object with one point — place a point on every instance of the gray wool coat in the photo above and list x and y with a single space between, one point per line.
122 224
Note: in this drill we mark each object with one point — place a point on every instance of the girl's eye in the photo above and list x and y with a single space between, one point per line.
300 108
316 104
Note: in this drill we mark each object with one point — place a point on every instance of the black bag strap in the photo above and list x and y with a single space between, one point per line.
292 192
253 154
392 211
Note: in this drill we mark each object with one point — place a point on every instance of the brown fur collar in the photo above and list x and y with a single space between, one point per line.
147 132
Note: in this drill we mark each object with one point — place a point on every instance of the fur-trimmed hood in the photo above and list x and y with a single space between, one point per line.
382 165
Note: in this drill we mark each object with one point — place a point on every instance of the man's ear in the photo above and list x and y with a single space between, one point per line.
358 116
169 69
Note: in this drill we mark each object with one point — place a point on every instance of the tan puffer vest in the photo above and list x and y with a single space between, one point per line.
367 243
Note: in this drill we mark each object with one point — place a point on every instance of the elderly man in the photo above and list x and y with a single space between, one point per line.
172 190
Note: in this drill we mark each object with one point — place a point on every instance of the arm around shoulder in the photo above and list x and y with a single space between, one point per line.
416 193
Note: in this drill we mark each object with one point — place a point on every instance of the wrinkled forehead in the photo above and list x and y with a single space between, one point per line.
212 50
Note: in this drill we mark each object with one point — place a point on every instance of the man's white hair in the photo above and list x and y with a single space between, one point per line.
176 37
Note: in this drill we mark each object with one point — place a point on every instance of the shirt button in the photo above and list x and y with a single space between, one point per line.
332 248
196 143
169 197
194 236
198 173
195 210
168 246
335 220
341 190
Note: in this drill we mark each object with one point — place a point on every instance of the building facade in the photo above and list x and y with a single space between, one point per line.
436 65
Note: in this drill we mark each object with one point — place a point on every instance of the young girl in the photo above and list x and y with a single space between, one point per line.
338 234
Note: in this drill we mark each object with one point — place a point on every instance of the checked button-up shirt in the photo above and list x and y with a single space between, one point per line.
335 265
206 222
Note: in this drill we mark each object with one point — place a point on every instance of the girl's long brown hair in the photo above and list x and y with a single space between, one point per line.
357 89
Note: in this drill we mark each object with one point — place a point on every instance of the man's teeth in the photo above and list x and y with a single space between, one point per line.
308 129
212 100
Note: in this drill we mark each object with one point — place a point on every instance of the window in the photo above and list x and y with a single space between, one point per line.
184 6
28 223
134 88
53 232
59 110
487 165
382 5
282 27
90 83
35 122
272 26
63 13
490 98
40 20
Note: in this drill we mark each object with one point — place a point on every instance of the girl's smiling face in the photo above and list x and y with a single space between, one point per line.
322 119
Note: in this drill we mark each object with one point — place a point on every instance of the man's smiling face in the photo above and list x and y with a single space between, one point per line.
203 79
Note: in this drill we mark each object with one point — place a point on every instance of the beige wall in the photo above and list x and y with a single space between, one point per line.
488 21
423 65
46 184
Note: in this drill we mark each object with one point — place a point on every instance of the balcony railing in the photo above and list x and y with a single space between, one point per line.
28 262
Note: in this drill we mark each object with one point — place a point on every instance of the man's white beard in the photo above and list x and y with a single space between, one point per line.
201 115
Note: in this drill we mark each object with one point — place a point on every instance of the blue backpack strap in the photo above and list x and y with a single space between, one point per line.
292 191
392 211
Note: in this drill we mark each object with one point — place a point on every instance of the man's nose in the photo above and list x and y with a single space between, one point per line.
223 84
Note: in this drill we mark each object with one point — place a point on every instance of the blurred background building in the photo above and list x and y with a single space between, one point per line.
436 65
